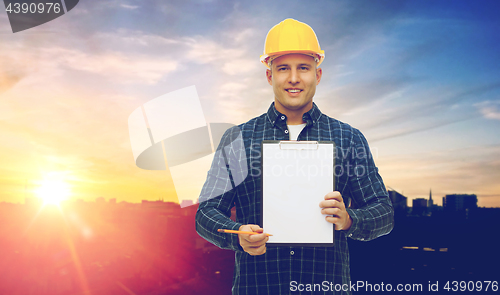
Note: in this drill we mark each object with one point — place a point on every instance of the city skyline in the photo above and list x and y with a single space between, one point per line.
109 248
31 196
399 201
419 79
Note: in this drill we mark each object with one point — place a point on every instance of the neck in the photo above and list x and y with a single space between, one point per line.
294 117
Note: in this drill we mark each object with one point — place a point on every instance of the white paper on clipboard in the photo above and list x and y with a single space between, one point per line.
296 176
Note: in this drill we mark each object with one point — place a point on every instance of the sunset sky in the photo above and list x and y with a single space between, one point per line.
420 79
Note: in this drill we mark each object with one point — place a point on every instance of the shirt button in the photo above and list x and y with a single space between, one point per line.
273 122
291 252
350 235
286 131
282 117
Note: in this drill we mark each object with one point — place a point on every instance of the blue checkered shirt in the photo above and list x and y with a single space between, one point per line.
281 269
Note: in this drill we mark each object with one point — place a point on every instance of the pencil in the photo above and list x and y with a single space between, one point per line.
230 231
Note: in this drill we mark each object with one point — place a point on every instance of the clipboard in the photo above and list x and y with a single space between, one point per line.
296 176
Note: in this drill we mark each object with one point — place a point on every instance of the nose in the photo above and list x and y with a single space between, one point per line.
294 77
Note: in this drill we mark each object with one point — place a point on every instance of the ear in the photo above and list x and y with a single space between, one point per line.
319 73
269 75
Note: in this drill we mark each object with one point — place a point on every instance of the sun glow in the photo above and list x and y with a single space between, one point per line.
53 192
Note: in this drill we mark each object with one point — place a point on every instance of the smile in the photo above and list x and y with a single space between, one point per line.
293 90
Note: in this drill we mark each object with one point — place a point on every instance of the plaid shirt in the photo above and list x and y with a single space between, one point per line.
281 269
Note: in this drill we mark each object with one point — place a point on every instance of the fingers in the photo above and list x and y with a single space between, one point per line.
337 221
334 196
333 206
331 211
253 244
336 216
340 223
256 238
339 217
255 227
332 200
256 250
251 227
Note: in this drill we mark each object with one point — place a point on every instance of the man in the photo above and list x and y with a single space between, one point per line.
359 208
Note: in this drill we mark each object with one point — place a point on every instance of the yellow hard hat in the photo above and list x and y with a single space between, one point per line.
291 36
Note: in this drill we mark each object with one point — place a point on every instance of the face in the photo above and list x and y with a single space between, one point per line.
294 78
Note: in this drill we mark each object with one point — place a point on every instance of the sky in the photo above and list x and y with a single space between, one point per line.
420 79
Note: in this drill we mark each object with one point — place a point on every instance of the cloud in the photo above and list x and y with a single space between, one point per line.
126 56
232 59
241 36
238 66
358 96
415 128
10 71
231 89
8 79
131 7
112 64
409 110
489 109
117 66
203 50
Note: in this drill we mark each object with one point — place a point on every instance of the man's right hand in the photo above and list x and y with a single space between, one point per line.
253 244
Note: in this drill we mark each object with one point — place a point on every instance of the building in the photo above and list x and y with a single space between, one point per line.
399 203
431 207
419 207
186 203
160 204
459 202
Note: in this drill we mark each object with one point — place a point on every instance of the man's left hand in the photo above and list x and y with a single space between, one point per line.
334 206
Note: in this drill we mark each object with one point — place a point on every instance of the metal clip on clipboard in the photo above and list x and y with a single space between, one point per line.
298 145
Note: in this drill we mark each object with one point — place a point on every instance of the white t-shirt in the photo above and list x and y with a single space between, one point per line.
295 130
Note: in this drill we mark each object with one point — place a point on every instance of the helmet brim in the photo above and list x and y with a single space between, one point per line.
266 58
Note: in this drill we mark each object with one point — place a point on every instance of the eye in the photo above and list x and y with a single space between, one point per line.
282 69
303 68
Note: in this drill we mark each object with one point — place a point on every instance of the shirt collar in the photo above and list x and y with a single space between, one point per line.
311 117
